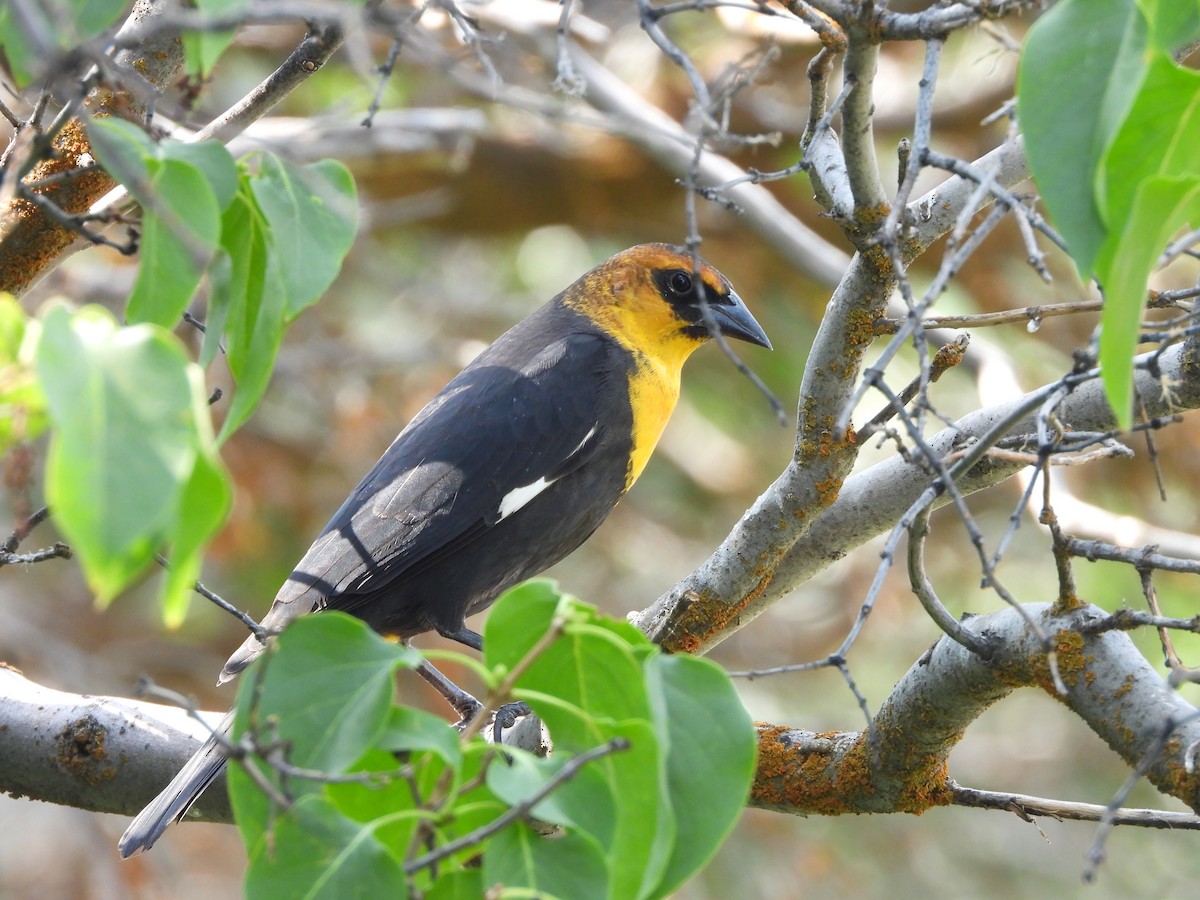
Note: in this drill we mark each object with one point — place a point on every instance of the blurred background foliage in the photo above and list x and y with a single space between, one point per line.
470 233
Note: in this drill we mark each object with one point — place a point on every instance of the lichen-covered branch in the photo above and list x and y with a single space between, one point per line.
872 501
900 765
31 239
739 580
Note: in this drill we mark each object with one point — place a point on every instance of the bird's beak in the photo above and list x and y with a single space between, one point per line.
734 320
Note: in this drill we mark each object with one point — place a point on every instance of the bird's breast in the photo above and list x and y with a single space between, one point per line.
653 393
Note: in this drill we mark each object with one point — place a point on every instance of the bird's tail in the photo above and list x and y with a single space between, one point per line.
177 797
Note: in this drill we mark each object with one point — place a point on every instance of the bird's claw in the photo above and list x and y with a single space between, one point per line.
506 717
467 708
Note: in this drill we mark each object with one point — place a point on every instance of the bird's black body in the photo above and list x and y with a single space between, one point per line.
506 471
423 541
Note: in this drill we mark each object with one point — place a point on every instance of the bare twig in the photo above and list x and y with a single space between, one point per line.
1140 558
519 810
245 618
1027 807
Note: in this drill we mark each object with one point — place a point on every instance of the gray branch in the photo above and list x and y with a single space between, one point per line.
901 764
105 754
742 577
870 503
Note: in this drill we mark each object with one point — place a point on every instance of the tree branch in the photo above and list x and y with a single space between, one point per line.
106 754
31 240
900 765
740 579
870 502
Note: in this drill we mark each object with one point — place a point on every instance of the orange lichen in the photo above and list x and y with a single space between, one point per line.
860 327
32 240
707 616
1125 687
1072 661
835 774
828 490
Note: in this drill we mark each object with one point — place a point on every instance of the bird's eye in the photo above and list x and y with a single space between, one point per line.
680 283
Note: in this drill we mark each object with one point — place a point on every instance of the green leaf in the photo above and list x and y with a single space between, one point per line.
1080 70
588 791
588 688
311 214
1174 24
123 403
616 800
211 158
203 48
1152 155
328 679
591 666
204 504
1161 206
327 682
182 189
571 867
181 225
710 749
464 884
1159 137
124 150
23 414
411 729
248 306
316 852
517 621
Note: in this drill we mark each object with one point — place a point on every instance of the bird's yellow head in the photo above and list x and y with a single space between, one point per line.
651 299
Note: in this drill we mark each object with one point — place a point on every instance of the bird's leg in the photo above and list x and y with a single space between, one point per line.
464 635
464 704
507 715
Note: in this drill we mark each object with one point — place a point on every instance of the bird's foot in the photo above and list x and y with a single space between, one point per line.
506 717
467 708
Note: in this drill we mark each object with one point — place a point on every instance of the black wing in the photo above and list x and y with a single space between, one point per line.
510 421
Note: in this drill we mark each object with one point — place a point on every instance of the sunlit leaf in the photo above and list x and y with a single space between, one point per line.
203 48
1080 70
248 306
312 215
180 232
1161 206
123 403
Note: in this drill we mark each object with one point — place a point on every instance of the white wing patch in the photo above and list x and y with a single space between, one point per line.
518 497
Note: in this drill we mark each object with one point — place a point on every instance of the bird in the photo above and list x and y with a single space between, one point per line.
508 469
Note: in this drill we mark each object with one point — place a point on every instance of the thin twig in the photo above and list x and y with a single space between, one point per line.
257 630
919 581
1025 806
1095 854
1138 557
519 810
8 551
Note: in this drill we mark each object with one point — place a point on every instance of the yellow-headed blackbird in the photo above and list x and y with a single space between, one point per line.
506 471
